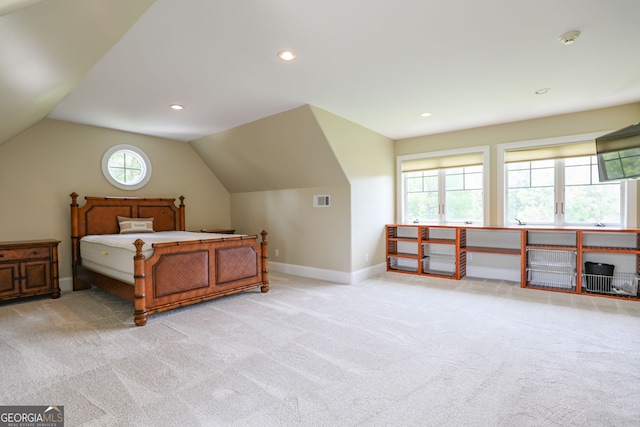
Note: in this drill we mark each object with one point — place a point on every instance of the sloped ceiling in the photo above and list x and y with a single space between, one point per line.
8 6
284 151
46 47
376 63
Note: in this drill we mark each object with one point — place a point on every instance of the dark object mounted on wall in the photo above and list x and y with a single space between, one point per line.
619 154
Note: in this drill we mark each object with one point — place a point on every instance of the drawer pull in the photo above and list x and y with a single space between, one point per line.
1 255
34 253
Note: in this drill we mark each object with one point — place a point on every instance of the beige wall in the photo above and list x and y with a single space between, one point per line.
602 120
305 236
303 147
367 159
273 167
40 167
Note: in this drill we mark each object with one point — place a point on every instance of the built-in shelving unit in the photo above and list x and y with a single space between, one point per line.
551 259
425 250
623 249
402 249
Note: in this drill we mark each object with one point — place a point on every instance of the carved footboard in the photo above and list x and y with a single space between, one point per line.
183 273
178 273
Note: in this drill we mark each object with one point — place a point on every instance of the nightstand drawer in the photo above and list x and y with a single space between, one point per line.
24 253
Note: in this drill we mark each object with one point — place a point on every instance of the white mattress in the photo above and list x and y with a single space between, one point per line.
112 254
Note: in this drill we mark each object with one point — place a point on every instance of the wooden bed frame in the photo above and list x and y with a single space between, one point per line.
178 273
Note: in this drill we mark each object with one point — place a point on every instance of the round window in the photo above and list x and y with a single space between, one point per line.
126 167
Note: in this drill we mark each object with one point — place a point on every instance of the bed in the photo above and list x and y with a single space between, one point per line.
163 275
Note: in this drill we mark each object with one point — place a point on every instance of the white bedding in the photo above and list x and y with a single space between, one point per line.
112 254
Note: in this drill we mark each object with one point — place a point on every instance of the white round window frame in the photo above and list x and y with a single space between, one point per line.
146 164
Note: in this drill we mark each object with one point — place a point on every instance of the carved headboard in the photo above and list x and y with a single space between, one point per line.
99 214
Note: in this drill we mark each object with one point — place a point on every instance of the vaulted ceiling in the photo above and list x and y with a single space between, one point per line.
378 63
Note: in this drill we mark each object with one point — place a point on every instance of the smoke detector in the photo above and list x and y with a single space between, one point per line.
570 37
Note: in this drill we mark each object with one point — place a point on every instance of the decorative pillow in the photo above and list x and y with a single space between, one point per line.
135 225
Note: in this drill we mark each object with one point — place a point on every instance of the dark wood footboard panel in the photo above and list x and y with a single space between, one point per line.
237 264
183 273
174 274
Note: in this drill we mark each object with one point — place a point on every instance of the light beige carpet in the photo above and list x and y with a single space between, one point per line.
391 351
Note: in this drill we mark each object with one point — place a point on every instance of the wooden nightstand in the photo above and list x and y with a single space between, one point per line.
29 268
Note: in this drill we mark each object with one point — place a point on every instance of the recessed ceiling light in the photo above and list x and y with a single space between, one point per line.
425 114
177 107
287 55
542 91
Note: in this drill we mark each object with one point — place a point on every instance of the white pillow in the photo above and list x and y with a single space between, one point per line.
135 225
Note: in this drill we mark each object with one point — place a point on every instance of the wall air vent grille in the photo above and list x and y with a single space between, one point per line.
321 201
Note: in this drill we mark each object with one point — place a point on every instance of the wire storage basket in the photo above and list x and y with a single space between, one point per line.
403 264
558 279
547 259
439 265
551 268
439 259
618 284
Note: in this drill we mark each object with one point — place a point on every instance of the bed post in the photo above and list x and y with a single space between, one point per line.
264 249
139 295
181 209
75 244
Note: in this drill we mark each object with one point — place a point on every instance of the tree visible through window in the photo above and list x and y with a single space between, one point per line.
126 167
561 192
444 195
463 194
586 199
421 196
531 191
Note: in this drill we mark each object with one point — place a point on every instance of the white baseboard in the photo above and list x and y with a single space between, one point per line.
328 275
66 284
365 273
